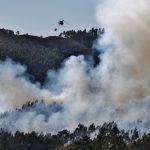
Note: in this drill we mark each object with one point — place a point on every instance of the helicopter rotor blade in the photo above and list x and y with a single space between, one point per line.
67 23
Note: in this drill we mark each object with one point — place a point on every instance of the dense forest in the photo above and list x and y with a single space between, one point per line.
40 54
107 136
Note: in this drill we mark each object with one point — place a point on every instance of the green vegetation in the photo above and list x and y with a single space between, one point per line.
105 137
109 138
41 54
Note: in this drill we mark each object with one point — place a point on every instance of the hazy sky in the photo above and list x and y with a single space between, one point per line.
40 17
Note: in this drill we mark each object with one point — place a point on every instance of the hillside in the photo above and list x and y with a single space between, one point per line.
41 54
107 136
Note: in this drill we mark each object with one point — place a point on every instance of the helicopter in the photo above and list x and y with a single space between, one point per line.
61 22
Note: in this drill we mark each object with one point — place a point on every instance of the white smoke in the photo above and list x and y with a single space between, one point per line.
16 89
116 90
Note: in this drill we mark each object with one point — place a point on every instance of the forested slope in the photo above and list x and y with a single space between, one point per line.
41 54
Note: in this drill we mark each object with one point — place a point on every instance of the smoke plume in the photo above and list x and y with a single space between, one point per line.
118 89
128 23
16 89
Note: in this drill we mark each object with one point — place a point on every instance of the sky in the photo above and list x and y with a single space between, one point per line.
40 17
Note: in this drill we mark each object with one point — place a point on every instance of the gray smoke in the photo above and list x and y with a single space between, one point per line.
116 90
128 22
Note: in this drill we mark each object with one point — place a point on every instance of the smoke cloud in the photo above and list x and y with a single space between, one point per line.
128 23
16 89
118 89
